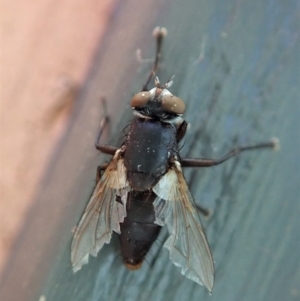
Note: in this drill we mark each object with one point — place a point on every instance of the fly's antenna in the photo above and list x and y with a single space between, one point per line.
159 33
169 83
156 81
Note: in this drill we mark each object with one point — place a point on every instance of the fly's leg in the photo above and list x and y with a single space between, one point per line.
187 162
100 170
104 122
106 149
206 212
181 131
159 33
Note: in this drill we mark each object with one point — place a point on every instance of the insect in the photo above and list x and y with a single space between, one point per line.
143 189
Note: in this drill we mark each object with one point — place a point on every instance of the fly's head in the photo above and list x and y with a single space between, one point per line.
159 103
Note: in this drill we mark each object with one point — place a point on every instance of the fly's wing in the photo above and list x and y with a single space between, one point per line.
187 242
102 214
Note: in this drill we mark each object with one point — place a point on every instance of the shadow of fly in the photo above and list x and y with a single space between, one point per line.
143 188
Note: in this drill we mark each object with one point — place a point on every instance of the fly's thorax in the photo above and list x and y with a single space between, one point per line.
150 145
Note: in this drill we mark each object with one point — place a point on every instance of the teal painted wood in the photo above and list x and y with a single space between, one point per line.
243 89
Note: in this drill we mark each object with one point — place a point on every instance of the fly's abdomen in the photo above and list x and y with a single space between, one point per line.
149 146
138 231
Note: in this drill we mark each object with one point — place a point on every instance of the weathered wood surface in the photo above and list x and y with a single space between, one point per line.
237 67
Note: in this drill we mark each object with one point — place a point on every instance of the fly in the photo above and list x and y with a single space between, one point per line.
143 189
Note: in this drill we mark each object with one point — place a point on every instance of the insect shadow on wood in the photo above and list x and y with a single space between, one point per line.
143 187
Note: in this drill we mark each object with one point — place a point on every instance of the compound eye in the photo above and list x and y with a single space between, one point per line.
173 104
140 99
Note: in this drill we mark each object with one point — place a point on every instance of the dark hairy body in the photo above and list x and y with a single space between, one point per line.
148 149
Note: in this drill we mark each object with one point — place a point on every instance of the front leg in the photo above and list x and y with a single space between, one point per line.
106 149
159 34
187 162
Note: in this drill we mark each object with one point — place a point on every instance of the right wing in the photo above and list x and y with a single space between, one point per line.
102 215
187 242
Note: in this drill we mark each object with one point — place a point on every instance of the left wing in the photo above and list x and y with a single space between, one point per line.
187 242
102 215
